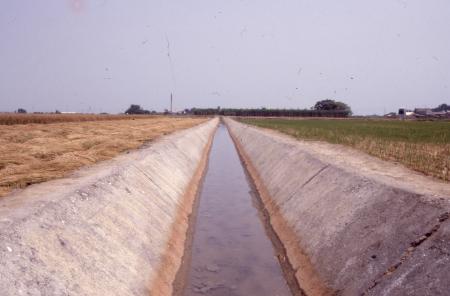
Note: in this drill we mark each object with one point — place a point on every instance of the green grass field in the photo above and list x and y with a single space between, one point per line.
420 145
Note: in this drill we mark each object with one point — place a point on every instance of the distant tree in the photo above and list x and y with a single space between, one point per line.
442 107
57 111
136 109
332 105
21 110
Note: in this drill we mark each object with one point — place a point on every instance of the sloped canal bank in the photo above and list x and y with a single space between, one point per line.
351 224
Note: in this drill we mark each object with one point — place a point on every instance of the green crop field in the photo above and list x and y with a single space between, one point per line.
420 145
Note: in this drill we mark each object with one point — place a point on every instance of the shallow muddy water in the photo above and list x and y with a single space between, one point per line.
231 252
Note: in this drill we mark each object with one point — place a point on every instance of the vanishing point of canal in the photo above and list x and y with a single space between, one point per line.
231 252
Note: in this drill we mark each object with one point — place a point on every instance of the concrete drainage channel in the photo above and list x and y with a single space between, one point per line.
231 252
133 226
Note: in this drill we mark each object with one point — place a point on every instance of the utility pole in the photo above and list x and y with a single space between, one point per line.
171 103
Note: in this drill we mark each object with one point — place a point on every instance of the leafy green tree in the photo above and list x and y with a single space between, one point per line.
332 105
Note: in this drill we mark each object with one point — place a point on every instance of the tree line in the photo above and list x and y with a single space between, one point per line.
323 108
270 112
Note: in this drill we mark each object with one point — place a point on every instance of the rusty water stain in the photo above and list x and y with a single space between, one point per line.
231 253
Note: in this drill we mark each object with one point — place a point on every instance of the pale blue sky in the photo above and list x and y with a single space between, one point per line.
104 55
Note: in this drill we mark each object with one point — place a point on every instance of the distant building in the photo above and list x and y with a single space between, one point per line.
402 112
391 115
423 111
430 113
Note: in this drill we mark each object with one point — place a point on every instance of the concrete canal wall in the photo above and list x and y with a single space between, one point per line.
351 224
117 228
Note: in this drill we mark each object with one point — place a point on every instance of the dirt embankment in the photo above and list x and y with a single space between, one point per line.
34 153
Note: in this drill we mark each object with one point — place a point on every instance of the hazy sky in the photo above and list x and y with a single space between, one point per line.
94 56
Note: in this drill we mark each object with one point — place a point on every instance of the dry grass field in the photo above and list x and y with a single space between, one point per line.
33 153
423 146
45 118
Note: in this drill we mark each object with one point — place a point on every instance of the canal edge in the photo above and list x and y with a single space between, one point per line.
180 281
305 277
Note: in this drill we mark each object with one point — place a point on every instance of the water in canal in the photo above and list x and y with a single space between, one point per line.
231 253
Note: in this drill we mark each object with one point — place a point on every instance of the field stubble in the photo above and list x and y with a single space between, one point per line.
33 153
46 118
421 146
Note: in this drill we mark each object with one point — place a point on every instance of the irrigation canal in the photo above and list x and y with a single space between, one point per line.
231 250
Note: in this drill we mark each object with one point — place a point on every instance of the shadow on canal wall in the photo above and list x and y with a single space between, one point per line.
347 232
117 228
